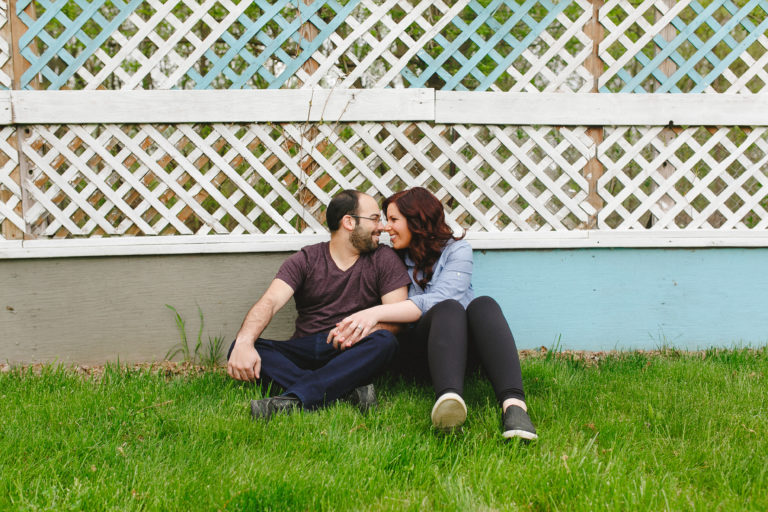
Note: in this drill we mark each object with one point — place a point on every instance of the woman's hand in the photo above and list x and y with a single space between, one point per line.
353 328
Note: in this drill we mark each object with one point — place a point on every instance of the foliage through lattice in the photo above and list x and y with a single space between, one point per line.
94 180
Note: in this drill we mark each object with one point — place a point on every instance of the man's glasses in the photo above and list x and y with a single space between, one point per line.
375 218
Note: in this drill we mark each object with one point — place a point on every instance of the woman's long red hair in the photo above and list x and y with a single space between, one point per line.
425 217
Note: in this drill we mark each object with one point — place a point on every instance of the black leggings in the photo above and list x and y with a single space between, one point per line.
447 335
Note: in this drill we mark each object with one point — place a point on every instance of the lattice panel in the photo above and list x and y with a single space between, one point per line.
459 44
692 178
94 180
690 46
11 216
5 47
508 46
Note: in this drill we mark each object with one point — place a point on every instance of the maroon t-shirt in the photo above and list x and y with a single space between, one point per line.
325 295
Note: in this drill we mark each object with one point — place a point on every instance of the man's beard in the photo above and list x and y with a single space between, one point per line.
362 241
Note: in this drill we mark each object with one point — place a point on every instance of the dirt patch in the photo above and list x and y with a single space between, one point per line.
167 368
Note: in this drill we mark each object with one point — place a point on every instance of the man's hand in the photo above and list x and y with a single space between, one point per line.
244 362
353 328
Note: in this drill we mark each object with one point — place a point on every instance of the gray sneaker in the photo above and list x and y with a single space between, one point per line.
363 397
516 423
267 407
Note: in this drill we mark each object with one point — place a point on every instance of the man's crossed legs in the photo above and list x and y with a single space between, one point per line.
313 373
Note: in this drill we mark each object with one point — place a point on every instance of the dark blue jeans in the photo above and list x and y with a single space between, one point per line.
315 372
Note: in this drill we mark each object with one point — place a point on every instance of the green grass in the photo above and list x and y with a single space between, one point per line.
673 431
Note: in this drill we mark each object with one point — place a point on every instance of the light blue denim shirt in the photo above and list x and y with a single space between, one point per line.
452 277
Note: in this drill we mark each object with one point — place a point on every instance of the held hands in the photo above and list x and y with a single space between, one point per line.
244 362
353 329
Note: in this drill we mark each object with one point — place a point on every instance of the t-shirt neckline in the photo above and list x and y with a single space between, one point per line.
336 265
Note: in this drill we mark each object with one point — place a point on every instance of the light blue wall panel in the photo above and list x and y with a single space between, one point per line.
601 299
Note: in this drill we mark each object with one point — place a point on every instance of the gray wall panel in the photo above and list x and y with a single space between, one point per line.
91 310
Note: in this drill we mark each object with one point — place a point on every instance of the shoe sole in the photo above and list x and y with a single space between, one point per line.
258 412
449 412
366 399
522 434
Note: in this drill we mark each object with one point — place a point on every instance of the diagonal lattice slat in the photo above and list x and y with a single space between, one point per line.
667 46
5 47
11 213
109 180
457 45
719 179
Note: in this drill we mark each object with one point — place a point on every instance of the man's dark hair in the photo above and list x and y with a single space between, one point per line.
345 203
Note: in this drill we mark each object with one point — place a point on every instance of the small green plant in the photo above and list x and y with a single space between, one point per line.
210 356
214 351
555 349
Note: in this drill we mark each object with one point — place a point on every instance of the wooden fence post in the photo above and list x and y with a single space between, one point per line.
8 230
594 168
22 173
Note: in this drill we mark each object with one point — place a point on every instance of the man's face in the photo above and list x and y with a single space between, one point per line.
365 237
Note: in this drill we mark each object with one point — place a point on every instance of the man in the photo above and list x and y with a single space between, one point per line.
328 281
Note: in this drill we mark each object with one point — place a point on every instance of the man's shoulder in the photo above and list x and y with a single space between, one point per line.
311 252
314 248
384 254
301 262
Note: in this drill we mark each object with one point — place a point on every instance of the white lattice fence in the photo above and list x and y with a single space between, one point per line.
93 180
453 45
498 45
714 178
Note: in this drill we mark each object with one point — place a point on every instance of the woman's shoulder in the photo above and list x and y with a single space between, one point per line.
457 248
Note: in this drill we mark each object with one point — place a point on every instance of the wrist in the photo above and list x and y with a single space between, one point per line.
377 311
244 341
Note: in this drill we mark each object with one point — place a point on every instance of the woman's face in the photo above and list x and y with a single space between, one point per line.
397 227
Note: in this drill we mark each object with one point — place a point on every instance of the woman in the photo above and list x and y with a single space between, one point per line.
447 322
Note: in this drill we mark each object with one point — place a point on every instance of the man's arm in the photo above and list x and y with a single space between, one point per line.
245 362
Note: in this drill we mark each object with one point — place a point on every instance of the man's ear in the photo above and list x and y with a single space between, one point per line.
348 223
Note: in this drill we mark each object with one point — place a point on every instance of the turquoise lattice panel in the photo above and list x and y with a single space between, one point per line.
178 44
691 47
509 46
238 65
45 43
499 45
459 44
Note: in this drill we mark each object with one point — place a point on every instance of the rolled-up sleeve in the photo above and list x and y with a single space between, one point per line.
452 282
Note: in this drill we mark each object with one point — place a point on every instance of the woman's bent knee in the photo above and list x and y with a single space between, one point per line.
483 303
449 306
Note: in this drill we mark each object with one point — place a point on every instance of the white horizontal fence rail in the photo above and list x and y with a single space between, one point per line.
233 244
333 105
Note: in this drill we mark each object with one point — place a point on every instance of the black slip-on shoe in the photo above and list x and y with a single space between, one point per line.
363 397
515 423
449 412
267 407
